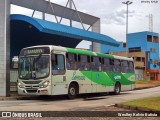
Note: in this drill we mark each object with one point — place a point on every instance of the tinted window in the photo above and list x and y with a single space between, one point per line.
34 67
58 66
83 62
107 66
117 66
124 67
96 64
71 61
131 67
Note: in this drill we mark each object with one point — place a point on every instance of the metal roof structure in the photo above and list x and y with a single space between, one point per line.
61 11
66 31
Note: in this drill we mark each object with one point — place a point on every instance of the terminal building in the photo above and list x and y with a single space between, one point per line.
19 31
144 48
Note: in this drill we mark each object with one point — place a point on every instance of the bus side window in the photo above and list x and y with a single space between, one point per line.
117 66
131 67
107 67
83 62
96 64
71 61
124 66
58 66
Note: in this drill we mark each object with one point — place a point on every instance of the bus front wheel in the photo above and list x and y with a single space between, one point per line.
72 91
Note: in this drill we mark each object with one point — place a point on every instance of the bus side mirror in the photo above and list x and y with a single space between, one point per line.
15 62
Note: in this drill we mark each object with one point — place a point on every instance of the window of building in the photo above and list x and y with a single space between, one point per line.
155 39
154 50
107 65
155 61
83 62
71 61
96 64
124 66
58 64
149 38
151 49
135 49
124 45
143 60
151 61
117 66
138 59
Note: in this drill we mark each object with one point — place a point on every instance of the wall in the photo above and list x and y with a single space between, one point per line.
4 47
108 49
137 40
139 74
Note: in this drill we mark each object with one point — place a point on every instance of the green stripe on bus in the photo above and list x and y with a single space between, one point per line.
85 52
98 77
108 79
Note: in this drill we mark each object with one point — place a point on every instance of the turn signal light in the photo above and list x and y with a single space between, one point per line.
44 91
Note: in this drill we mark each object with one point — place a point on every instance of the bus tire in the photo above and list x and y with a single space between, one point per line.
72 91
117 89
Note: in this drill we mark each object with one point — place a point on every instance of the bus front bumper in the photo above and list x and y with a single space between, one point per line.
34 91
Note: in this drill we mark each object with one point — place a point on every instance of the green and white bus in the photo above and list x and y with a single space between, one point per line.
56 70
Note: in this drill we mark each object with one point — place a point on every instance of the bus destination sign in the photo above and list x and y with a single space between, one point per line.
34 51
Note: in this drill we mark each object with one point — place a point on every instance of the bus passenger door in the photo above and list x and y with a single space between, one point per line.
58 73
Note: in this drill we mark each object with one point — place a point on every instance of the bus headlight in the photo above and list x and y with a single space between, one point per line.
45 84
20 85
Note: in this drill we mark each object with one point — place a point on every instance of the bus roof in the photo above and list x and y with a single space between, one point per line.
84 52
123 58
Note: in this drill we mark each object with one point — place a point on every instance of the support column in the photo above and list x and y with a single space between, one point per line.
96 28
4 47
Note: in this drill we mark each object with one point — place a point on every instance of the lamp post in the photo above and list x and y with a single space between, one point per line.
127 3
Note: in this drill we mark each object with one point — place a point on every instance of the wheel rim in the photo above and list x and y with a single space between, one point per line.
117 89
72 91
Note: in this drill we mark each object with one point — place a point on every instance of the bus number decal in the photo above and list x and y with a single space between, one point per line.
117 77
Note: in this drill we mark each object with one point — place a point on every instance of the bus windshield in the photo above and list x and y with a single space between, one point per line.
34 67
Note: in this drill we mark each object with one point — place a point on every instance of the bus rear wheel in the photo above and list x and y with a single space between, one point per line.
72 91
117 89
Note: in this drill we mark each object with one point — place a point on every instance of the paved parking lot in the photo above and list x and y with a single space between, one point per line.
82 103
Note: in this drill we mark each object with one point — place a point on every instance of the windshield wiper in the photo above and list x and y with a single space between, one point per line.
33 75
37 58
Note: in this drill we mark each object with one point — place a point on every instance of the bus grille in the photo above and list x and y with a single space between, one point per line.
31 90
32 82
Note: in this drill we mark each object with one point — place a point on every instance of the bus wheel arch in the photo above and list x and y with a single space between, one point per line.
117 89
73 90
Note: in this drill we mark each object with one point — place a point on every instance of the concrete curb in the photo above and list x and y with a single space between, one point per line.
18 98
143 109
140 88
